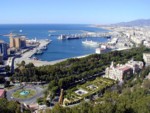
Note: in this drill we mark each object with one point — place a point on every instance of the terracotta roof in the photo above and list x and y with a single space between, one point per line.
124 68
2 91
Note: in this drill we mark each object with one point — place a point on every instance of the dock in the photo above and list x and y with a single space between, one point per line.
27 55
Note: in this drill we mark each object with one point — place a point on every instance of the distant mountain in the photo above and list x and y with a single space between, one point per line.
141 22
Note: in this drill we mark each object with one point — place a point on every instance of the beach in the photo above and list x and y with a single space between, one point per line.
38 63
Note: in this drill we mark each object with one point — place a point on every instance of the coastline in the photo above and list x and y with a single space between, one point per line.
39 63
27 57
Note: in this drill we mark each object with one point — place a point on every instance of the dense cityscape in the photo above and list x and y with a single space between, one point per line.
76 68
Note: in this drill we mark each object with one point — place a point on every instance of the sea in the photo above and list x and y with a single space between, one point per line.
57 49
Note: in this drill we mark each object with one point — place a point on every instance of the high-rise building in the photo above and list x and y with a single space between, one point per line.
12 42
1 58
17 42
3 49
23 42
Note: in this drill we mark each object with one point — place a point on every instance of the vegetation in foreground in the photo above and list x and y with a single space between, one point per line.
132 97
11 107
65 74
98 85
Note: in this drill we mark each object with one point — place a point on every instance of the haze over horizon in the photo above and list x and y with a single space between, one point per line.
72 12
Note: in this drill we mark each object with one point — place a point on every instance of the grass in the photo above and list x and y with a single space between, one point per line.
17 94
99 82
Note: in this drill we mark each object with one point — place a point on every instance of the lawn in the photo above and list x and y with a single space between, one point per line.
92 87
17 94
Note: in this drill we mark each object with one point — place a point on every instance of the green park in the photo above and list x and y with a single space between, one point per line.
24 93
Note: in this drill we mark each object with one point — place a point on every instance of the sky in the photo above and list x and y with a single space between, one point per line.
72 11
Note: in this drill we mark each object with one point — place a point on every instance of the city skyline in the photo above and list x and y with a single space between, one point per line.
72 12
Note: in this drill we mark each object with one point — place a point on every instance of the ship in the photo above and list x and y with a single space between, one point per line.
72 37
90 43
68 37
61 37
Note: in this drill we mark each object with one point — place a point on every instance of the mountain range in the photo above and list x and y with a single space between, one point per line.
140 22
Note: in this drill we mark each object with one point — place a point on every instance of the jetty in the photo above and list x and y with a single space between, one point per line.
27 55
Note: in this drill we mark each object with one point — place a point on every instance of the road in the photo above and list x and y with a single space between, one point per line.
37 88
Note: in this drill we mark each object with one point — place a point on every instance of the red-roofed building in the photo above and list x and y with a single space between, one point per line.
2 93
123 72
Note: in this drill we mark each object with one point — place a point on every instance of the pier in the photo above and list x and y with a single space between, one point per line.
27 55
83 35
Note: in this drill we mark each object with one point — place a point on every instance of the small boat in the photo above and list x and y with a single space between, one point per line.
34 58
38 52
43 48
48 40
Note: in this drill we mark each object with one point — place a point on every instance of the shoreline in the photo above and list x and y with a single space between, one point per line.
39 63
27 57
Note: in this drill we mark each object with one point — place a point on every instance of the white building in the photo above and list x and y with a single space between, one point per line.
146 57
122 72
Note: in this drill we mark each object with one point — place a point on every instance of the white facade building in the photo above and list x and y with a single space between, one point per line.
122 72
146 57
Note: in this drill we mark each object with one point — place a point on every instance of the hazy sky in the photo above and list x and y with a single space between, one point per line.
73 11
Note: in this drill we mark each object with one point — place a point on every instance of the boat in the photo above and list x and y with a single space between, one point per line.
90 43
38 52
68 37
43 48
35 58
48 40
61 37
72 37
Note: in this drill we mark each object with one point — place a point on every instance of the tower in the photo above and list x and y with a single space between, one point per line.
17 42
61 97
3 49
12 42
112 65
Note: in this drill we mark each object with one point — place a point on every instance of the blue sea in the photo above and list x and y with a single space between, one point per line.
57 49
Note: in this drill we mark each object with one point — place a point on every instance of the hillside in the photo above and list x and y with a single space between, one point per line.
140 22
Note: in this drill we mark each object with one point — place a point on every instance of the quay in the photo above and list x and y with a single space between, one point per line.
28 54
83 35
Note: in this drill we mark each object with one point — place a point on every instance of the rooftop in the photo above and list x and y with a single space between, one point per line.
1 92
124 68
1 41
146 54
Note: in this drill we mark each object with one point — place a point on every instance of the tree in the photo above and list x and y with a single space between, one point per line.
146 84
7 69
23 63
12 106
7 83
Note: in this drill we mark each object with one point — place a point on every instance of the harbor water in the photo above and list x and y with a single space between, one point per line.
57 49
